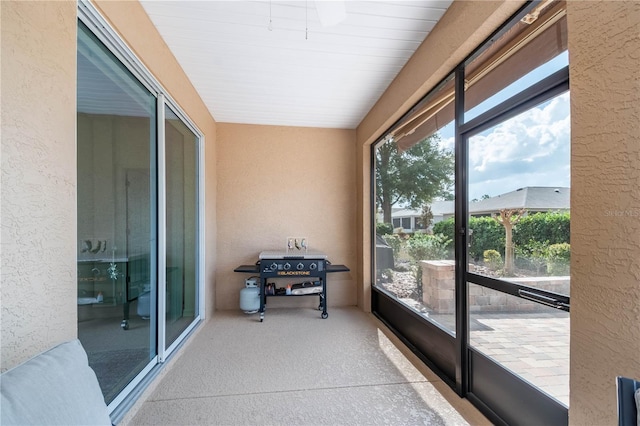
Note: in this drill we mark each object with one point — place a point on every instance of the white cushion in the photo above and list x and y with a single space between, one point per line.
56 387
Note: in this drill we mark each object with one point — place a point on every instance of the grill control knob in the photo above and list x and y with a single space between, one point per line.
313 266
300 266
273 266
287 266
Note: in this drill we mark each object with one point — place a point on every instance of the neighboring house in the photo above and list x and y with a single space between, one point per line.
533 199
409 219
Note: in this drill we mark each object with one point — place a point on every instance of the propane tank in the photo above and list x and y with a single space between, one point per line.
250 296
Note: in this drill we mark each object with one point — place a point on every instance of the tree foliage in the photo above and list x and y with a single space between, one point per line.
413 177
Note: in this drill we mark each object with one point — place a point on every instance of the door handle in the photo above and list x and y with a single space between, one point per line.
543 299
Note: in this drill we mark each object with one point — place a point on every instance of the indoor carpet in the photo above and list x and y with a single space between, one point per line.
116 368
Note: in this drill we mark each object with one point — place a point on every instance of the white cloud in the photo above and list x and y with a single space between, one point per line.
531 149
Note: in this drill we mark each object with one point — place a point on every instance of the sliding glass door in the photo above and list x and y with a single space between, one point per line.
139 214
530 252
517 289
117 207
181 225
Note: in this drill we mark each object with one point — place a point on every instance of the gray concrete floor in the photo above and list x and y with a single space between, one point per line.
298 369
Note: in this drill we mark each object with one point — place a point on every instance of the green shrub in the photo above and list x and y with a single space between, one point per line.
446 228
533 256
558 259
492 259
553 227
487 235
529 236
384 228
395 241
427 247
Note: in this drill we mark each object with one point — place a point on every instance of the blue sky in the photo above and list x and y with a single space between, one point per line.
532 149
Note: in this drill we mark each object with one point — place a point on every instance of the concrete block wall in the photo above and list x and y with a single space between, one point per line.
438 291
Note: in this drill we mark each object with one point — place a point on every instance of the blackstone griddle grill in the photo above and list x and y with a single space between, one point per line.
311 265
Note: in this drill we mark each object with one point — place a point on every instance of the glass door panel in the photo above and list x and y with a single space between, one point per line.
116 217
414 245
519 248
519 177
414 174
529 339
181 228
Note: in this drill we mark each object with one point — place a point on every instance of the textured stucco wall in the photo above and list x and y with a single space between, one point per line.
38 188
278 182
604 58
130 20
38 191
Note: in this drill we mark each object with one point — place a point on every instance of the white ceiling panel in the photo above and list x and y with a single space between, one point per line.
273 62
